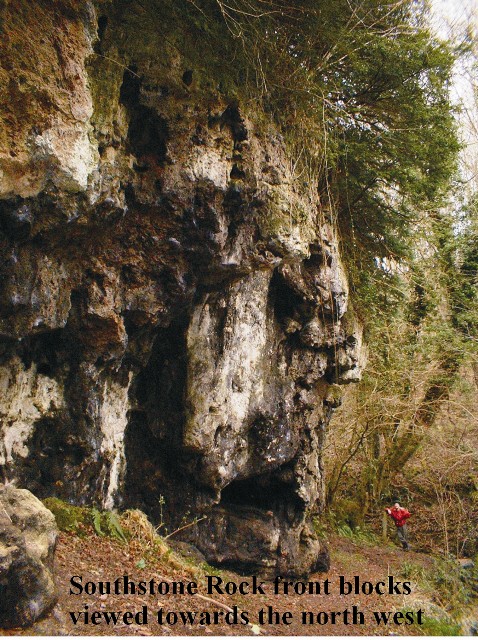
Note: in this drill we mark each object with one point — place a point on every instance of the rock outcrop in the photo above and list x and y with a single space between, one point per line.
174 315
27 542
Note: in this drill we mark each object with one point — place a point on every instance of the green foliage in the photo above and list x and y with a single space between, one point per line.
448 578
359 89
112 526
68 517
346 521
446 582
439 627
413 571
462 249
321 527
73 519
420 338
449 587
347 512
96 518
391 172
357 534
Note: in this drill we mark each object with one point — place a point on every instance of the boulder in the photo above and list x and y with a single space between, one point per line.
28 536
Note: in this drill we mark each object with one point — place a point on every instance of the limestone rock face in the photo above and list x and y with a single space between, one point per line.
27 542
173 309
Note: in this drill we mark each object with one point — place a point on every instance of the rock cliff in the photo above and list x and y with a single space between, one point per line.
174 316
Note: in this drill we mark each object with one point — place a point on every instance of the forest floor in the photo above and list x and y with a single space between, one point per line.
97 559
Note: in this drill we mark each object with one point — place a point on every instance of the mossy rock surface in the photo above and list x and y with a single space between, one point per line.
80 520
334 396
68 517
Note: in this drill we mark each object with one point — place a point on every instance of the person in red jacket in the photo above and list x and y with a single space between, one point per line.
400 517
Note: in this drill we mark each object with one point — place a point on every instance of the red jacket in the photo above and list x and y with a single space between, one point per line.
400 515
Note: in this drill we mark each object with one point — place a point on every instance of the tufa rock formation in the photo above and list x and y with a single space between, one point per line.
27 542
174 315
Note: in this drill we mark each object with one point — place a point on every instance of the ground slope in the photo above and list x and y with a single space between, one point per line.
96 558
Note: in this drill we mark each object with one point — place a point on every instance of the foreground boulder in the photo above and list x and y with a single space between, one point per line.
27 542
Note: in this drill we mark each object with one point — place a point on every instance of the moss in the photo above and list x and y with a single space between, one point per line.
439 627
80 520
348 513
286 221
105 78
335 394
68 517
160 40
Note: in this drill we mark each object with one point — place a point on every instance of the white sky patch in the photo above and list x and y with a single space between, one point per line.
451 14
452 19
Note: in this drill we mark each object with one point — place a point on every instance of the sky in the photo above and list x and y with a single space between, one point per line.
452 17
453 10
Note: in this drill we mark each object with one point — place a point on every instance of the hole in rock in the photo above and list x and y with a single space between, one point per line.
232 118
161 384
316 260
237 173
188 77
131 87
44 369
153 438
52 453
148 131
44 349
286 302
102 24
265 493
155 481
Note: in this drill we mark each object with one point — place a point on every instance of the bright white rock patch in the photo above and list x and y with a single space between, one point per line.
25 397
113 421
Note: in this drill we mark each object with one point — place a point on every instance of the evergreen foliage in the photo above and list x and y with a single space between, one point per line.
362 89
359 89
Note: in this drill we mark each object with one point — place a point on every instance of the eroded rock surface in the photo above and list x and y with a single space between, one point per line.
173 309
27 542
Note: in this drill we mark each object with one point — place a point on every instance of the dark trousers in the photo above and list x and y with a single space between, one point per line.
402 534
